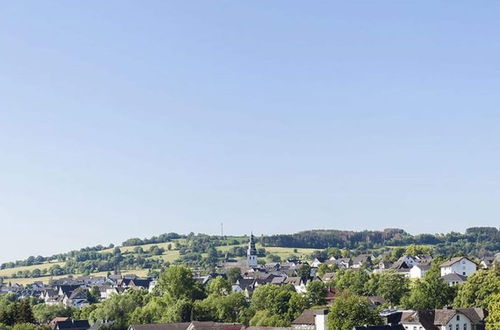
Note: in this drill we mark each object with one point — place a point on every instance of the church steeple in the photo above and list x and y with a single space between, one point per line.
251 252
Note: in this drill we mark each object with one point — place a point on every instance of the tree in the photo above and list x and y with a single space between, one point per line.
94 295
414 250
304 271
43 313
219 287
24 314
348 311
276 305
316 293
177 283
228 308
353 280
119 308
392 287
431 292
478 289
397 253
493 319
233 274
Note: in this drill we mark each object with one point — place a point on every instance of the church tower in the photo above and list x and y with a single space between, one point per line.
252 252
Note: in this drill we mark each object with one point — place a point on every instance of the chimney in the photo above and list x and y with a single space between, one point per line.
320 319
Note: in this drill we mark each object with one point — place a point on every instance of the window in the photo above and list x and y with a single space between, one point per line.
465 326
457 326
458 317
463 273
451 327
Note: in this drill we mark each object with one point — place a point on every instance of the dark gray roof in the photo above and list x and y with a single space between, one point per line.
453 261
362 258
307 316
197 325
380 327
72 324
454 277
160 326
423 266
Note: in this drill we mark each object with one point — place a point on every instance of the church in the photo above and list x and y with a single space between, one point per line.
251 252
251 260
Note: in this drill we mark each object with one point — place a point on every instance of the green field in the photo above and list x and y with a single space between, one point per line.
168 256
11 271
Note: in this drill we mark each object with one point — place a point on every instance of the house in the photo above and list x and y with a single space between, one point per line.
140 283
444 319
108 291
423 258
195 325
298 283
487 262
311 319
458 265
380 327
362 259
317 262
50 297
419 270
344 262
69 324
245 283
78 298
327 277
382 266
67 289
405 262
376 301
454 279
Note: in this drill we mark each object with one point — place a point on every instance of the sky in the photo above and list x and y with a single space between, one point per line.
124 119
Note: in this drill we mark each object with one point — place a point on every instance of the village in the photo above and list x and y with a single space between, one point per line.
82 291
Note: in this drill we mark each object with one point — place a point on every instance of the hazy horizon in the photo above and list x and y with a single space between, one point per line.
121 119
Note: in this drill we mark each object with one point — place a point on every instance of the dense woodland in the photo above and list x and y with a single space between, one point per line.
477 240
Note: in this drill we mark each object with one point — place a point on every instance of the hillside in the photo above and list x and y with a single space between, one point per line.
203 252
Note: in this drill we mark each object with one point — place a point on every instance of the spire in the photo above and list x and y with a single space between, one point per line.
252 251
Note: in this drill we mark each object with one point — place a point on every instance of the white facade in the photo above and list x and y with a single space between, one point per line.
417 271
457 322
320 321
408 260
463 267
252 252
316 263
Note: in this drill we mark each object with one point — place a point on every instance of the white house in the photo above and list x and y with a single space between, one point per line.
408 260
316 263
419 271
311 319
298 284
458 265
444 319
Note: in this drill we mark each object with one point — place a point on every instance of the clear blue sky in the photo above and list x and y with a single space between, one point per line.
133 118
